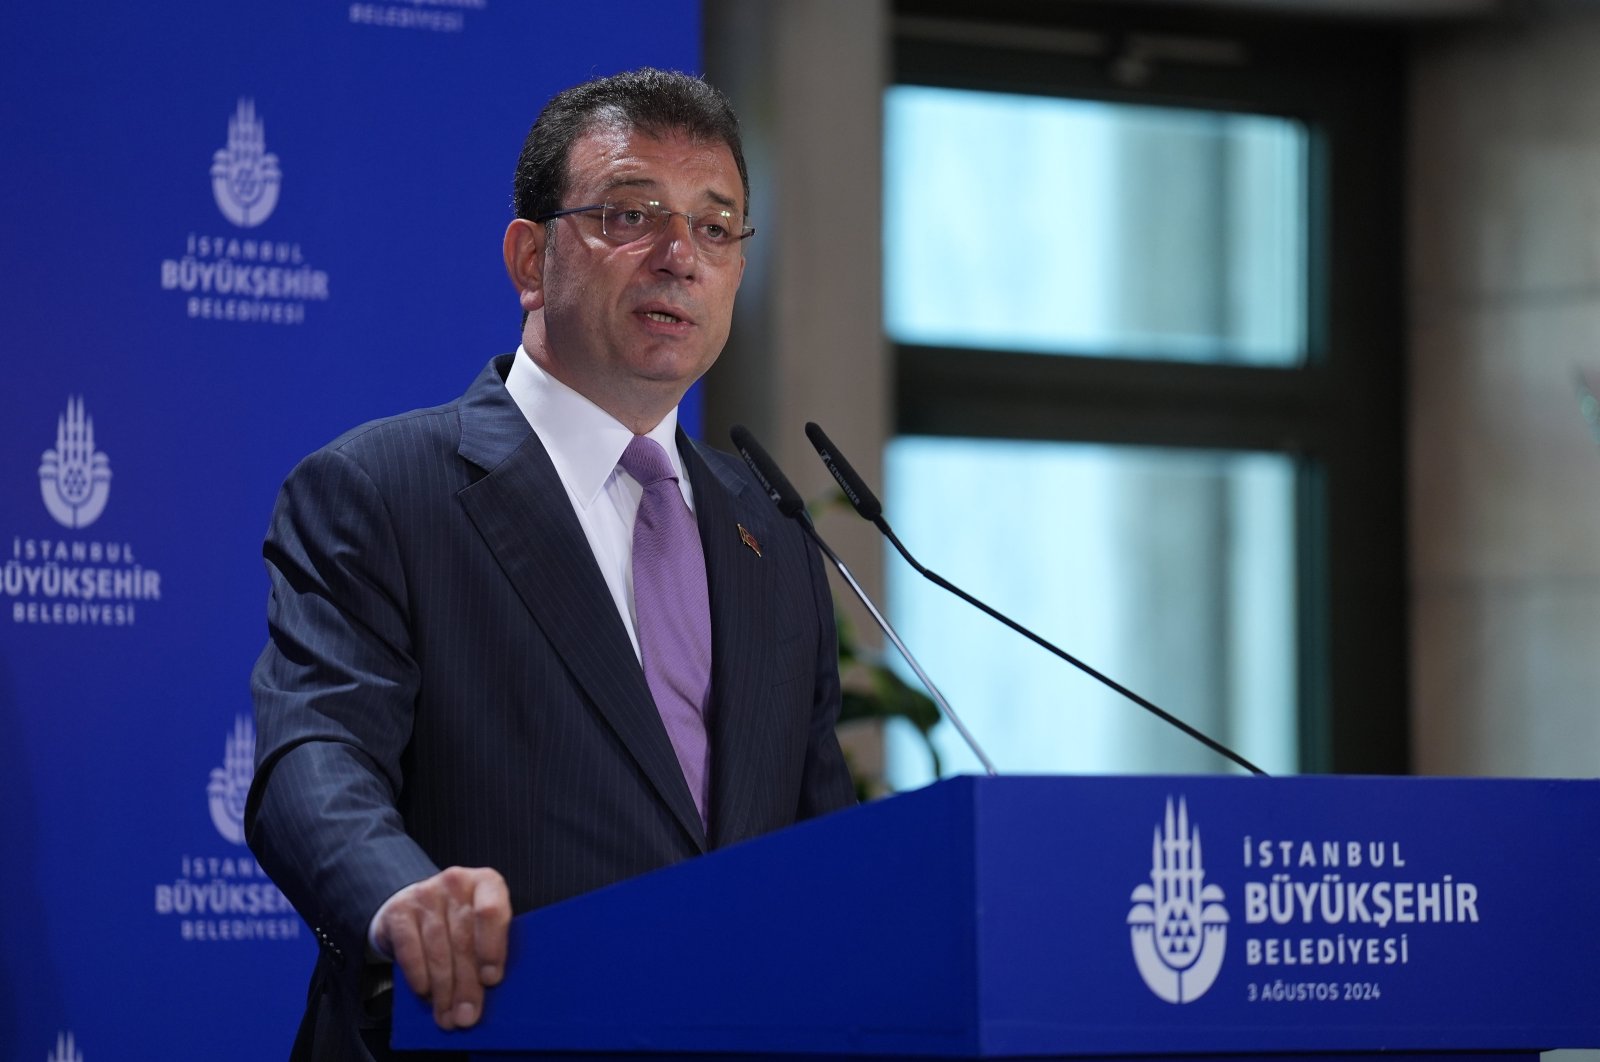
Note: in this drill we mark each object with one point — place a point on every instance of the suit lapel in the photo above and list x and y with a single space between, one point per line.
523 513
742 589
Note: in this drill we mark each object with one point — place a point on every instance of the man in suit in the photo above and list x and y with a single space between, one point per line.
495 678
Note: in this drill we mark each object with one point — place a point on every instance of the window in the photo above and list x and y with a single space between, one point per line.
1148 385
1171 570
1091 228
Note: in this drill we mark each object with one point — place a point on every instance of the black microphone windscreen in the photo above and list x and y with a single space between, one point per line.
866 503
777 485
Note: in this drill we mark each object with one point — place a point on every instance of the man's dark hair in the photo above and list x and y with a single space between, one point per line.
656 102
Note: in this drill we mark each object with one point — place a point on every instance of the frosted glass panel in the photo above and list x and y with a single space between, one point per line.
1068 226
1172 571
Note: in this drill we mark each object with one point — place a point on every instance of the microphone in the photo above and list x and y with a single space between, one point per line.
866 503
790 504
767 473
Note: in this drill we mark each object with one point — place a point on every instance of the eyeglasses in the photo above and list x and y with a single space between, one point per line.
716 233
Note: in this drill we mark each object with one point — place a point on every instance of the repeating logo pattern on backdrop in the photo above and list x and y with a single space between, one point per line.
245 278
224 895
1178 926
230 783
75 478
74 581
244 175
66 1050
434 16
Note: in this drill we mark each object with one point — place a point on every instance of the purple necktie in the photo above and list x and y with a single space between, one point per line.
673 611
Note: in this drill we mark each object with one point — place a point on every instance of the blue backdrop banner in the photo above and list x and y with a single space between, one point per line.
231 231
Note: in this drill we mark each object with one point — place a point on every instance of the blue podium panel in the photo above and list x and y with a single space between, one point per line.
1088 917
1333 914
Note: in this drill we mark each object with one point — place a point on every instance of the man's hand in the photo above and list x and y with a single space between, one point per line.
447 934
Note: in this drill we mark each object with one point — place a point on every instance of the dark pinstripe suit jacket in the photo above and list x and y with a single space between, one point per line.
447 681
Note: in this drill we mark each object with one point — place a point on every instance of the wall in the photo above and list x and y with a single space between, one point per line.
1504 298
807 344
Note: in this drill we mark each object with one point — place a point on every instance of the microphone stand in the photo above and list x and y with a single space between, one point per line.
790 504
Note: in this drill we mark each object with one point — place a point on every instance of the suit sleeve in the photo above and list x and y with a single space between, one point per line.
334 691
826 784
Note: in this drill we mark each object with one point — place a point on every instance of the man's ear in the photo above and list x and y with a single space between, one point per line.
524 250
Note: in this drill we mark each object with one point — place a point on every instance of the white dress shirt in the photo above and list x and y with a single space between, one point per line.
585 443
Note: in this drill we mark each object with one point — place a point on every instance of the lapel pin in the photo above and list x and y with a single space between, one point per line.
748 539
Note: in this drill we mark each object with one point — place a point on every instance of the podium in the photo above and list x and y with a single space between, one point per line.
1084 918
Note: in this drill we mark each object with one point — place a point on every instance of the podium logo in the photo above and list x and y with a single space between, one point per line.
75 478
244 175
66 1050
230 783
1178 925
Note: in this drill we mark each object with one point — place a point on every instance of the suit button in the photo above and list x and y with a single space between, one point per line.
325 940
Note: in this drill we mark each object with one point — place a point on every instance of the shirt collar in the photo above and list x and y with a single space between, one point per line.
584 441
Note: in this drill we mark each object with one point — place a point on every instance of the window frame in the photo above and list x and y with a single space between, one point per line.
1340 415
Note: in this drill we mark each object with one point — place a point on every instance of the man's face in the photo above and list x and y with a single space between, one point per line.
632 326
